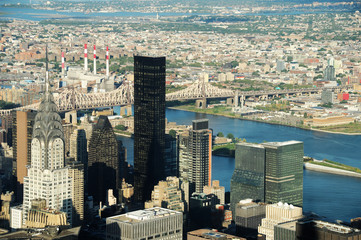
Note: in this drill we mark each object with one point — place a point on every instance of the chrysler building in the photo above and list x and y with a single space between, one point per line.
47 177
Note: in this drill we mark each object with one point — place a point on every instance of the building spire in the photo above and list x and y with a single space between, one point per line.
47 84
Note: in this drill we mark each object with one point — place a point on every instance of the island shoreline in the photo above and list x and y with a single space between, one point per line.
254 120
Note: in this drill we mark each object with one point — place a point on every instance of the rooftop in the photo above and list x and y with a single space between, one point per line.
144 215
280 144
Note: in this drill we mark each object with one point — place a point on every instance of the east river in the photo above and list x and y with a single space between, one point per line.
332 196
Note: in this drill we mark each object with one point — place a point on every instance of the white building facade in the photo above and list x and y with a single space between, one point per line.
47 177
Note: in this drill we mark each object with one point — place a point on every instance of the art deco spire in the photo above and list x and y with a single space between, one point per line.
47 125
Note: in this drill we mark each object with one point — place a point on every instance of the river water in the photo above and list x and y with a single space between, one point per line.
332 196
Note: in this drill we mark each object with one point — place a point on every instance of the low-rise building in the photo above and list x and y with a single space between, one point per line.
209 234
153 223
278 213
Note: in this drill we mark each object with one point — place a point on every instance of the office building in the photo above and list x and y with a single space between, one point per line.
217 190
286 230
22 131
210 234
248 179
40 216
78 146
200 207
278 213
47 177
152 223
167 194
78 151
268 172
284 172
329 73
149 124
327 96
16 217
170 156
248 216
321 230
104 161
6 201
76 173
68 130
195 156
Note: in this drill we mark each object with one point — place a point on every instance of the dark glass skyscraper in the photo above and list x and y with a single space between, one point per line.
104 161
149 124
268 172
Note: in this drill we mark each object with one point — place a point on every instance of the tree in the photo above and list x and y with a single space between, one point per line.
305 115
121 127
230 136
173 133
220 134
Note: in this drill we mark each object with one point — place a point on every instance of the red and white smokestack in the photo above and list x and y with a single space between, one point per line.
62 64
85 58
95 60
107 61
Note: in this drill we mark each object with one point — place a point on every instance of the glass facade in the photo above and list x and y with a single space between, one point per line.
268 172
149 124
284 172
248 177
104 161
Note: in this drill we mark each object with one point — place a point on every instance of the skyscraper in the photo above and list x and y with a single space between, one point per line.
149 124
268 172
170 156
284 172
76 173
22 134
195 156
104 162
47 177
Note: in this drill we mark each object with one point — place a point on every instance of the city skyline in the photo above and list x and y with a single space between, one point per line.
109 145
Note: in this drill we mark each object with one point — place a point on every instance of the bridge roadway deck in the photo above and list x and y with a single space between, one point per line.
72 99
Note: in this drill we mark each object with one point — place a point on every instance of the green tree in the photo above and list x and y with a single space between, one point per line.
220 134
121 127
230 136
173 133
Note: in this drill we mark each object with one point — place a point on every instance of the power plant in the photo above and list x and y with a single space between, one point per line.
73 75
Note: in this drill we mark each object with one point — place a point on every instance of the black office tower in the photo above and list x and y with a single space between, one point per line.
149 124
105 161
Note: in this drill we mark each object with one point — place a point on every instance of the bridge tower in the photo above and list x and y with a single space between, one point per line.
202 103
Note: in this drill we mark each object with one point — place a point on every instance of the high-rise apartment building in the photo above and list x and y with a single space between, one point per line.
47 177
195 156
149 124
22 130
152 223
104 161
268 172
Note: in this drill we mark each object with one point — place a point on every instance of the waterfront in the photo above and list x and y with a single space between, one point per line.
333 196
